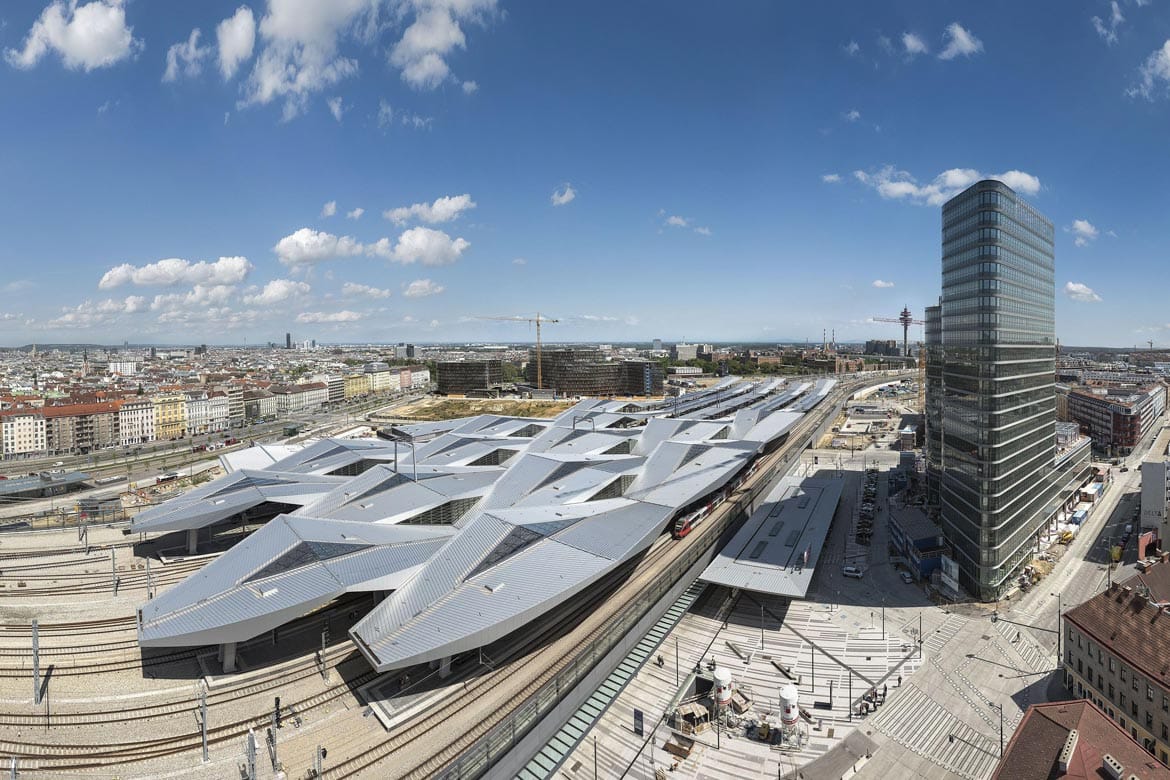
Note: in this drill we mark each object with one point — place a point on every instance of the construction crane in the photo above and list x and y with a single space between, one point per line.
905 319
538 319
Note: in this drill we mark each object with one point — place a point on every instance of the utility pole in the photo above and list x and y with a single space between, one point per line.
36 660
203 719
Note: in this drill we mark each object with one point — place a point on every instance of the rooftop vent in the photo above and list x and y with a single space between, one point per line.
1112 767
1066 753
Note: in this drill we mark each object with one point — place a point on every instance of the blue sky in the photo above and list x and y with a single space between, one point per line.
749 171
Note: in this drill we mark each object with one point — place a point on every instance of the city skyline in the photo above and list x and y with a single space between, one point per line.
366 172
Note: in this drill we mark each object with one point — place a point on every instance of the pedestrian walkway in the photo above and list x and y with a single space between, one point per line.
1024 644
913 719
936 640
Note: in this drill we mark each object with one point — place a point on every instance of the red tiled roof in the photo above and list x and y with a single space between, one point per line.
1123 620
1035 747
74 410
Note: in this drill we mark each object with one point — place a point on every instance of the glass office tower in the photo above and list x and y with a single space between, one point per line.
991 410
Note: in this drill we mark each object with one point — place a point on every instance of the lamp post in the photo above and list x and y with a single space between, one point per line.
1058 655
1000 708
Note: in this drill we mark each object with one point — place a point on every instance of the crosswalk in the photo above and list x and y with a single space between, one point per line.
936 640
1036 659
920 724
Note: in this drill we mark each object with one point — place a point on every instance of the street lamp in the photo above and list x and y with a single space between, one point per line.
1000 708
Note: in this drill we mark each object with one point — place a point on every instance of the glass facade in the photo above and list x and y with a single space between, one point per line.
991 399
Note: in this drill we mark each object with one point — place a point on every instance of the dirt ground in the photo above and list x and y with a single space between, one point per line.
449 408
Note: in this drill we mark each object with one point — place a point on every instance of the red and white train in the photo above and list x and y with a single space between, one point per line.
691 518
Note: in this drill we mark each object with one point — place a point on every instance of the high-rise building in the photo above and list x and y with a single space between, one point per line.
991 406
288 341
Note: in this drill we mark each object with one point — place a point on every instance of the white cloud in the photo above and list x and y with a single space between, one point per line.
174 270
298 56
1081 292
307 246
913 45
851 48
1108 32
354 290
519 261
470 87
333 316
1084 230
355 214
335 107
894 184
882 284
385 114
435 32
831 178
186 57
89 314
417 121
676 221
420 244
443 209
703 231
960 41
421 288
852 115
200 296
1155 69
277 291
236 36
104 107
94 35
563 194
329 209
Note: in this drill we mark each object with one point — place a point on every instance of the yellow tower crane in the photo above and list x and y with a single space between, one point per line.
538 319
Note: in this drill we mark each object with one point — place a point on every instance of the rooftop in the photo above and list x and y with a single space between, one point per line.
1034 750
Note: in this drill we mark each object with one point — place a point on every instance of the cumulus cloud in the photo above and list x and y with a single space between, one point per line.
236 37
1081 292
200 296
1084 231
443 209
355 214
852 115
470 87
420 245
913 45
332 316
894 184
89 36
830 178
703 231
959 41
186 58
307 246
1154 73
277 291
335 107
299 51
329 209
882 284
852 48
421 288
89 314
421 54
354 290
563 194
519 261
1108 32
174 271
675 221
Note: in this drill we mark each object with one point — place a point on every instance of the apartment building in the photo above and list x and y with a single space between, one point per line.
197 411
22 432
1116 418
170 415
81 428
1115 655
136 422
219 407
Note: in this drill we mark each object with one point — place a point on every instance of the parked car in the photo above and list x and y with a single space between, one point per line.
851 571
906 578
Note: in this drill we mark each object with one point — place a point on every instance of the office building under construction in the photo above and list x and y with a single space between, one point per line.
460 377
586 372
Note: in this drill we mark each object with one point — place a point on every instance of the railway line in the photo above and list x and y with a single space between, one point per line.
420 748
